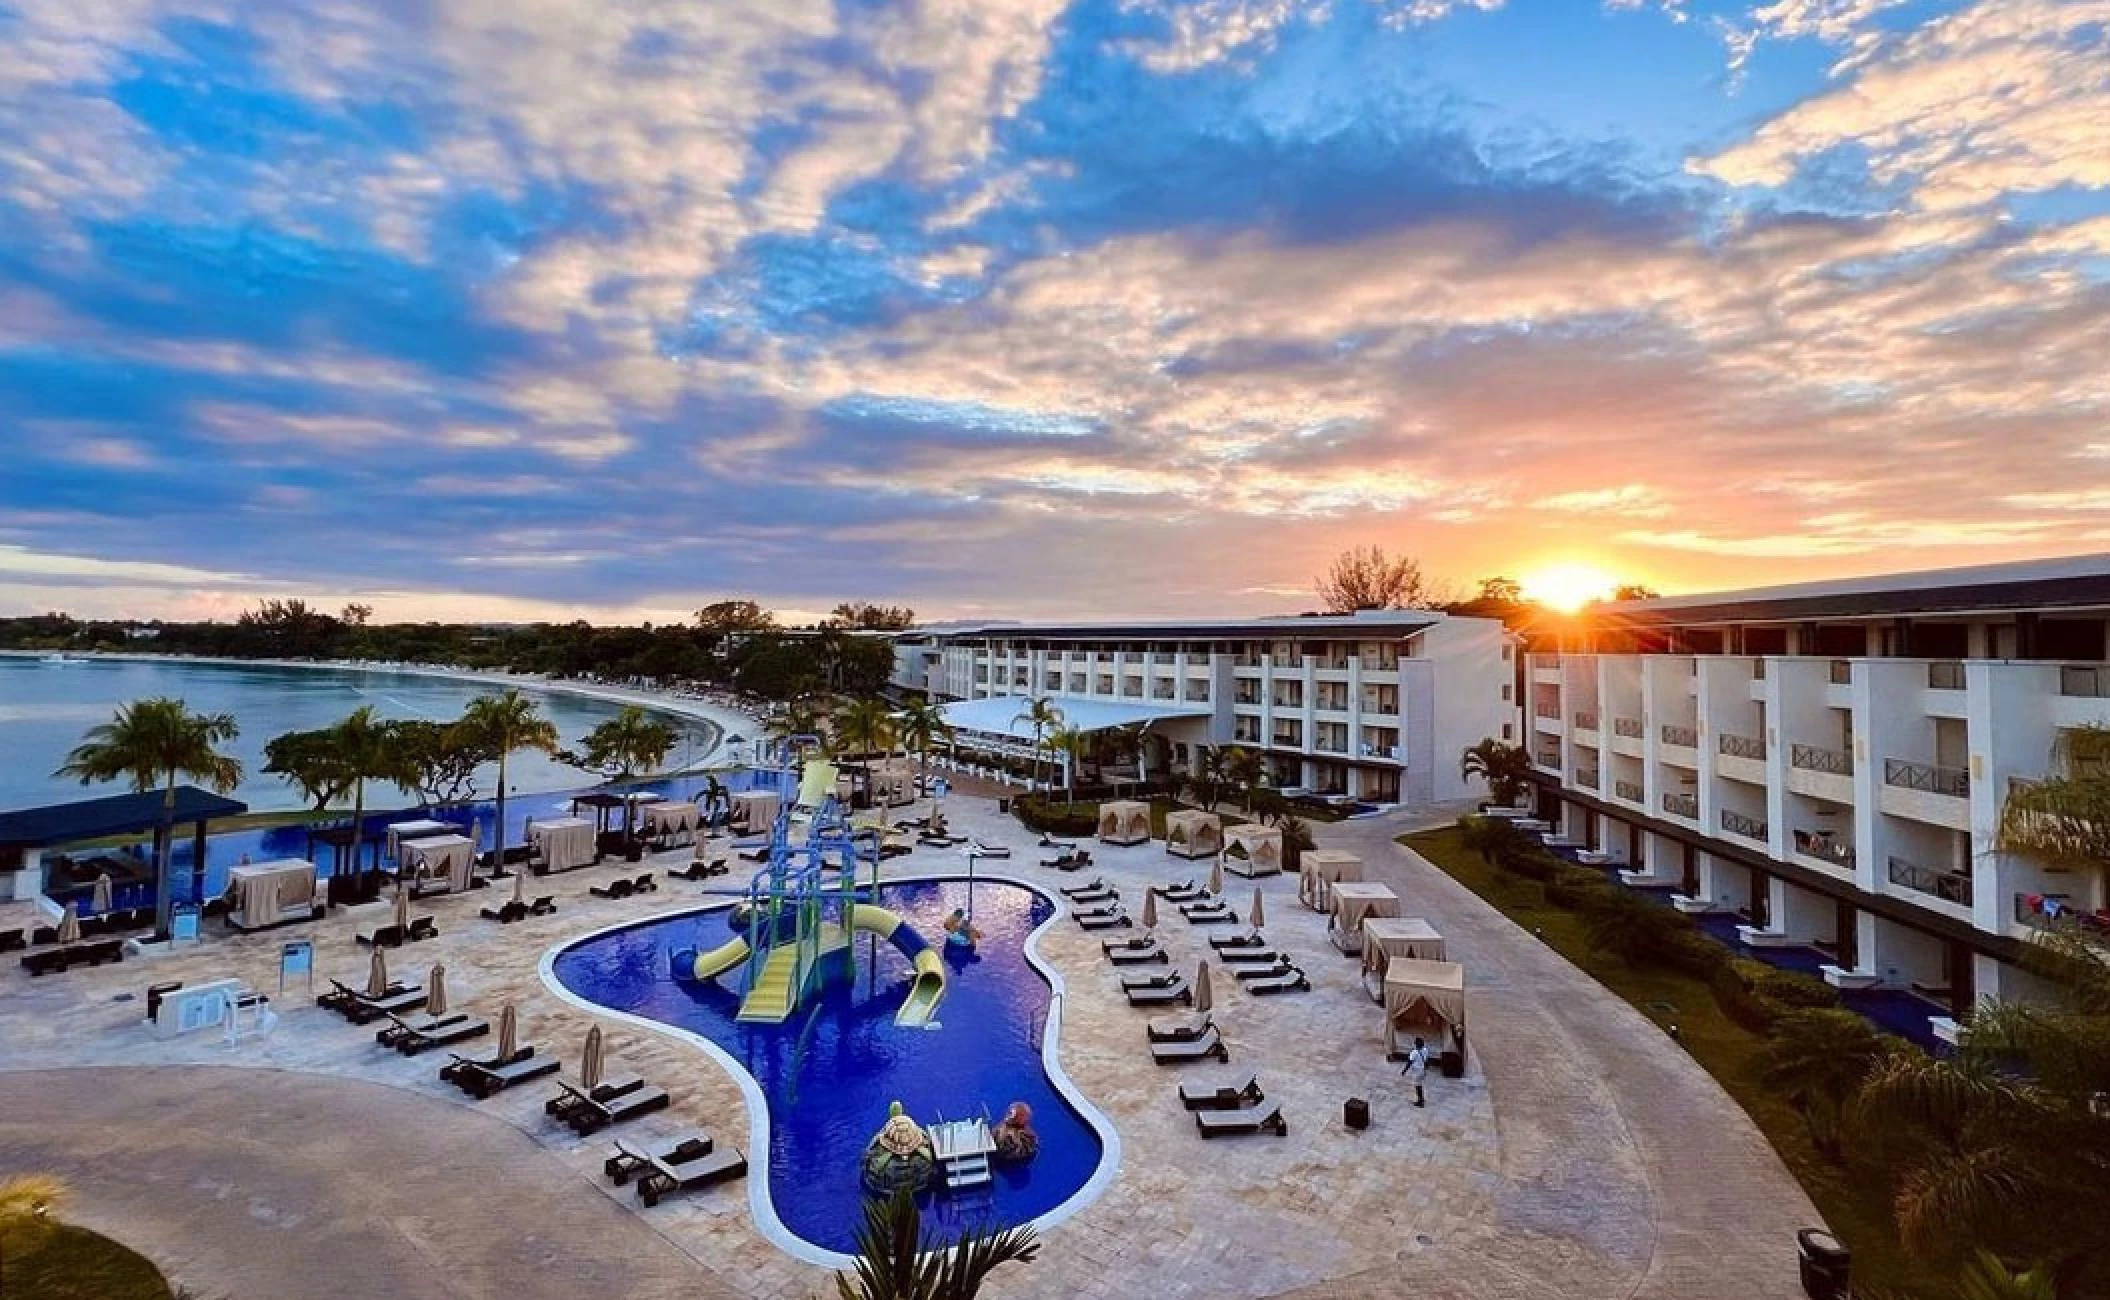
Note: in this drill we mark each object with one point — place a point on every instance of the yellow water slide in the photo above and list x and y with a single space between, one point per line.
929 988
719 960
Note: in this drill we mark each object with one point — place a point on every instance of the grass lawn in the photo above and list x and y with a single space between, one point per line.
1857 1209
70 1263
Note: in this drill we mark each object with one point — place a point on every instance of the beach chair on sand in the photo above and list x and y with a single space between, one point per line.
1186 1051
570 1097
1162 995
1225 1093
672 1164
1136 952
1106 918
481 1078
1277 965
1265 1118
357 1007
1229 942
1160 980
1083 893
1180 1029
455 1030
403 1026
1102 894
546 905
1248 957
1215 912
592 1116
1292 980
984 849
506 913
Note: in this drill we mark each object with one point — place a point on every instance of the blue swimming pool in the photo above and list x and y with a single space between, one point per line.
829 1072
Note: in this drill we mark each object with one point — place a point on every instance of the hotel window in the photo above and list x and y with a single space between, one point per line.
1289 695
1289 733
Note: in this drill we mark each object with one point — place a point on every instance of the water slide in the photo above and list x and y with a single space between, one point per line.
710 965
929 988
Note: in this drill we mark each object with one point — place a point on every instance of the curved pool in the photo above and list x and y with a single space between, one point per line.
827 1074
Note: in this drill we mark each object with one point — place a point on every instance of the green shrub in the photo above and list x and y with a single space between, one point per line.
1040 813
1694 953
1735 984
1793 990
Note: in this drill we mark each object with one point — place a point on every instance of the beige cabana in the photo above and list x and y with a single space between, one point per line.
266 893
563 843
1124 821
893 786
1353 900
665 821
1192 833
1424 996
754 811
447 859
1386 938
421 829
1319 870
1251 849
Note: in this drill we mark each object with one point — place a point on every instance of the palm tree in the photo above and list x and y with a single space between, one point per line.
362 748
502 724
801 717
921 726
1041 714
28 1203
1073 746
1817 1060
1246 769
865 726
1205 782
1296 838
156 743
894 1262
633 740
1506 768
1987 1277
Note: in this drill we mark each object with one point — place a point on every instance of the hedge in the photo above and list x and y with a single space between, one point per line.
1054 817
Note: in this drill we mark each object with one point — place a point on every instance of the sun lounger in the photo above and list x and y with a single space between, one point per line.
1184 892
482 1078
546 905
984 850
12 940
401 1027
1161 980
1097 896
1068 861
592 1116
401 999
1185 1051
1180 1029
1102 907
1208 913
1253 1119
672 1174
1104 919
1163 996
1097 885
1277 965
942 841
613 889
1248 957
46 961
1227 942
505 914
1136 954
570 1097
1226 1093
1290 981
644 884
1048 841
453 1031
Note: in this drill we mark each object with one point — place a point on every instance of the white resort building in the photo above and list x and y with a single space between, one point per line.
1826 764
1375 706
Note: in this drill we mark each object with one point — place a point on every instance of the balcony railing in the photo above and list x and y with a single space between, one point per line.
1586 719
1630 791
1947 675
1587 778
1813 758
1949 886
1737 823
1741 746
1288 740
2088 681
1628 727
1842 672
1953 781
1685 736
1547 709
1822 844
1682 805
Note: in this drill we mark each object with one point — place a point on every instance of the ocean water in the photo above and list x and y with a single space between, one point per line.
45 708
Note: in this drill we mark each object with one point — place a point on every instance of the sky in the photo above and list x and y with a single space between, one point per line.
568 308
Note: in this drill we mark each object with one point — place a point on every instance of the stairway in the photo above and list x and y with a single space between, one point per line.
964 1172
769 1000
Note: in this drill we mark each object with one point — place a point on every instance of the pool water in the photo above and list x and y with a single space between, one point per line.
829 1072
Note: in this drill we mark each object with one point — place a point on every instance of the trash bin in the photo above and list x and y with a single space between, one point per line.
1003 805
1355 1113
1825 1264
1452 1063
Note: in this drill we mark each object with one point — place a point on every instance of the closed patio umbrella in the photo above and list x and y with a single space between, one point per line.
1258 916
402 910
436 991
377 974
1203 999
590 1064
508 1033
520 887
1150 909
476 844
1216 877
101 902
70 924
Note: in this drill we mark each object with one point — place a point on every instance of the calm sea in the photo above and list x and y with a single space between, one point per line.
45 707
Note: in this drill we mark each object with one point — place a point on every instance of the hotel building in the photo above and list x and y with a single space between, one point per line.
1824 766
1375 706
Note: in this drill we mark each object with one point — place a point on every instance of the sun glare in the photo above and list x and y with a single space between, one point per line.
1568 587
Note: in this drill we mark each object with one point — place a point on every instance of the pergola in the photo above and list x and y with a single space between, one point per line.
28 833
995 725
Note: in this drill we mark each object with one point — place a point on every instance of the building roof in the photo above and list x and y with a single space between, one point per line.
1392 622
999 714
2071 582
118 814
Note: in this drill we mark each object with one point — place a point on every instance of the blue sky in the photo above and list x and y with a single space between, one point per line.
1130 307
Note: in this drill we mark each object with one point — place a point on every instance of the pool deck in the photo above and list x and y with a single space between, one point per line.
1584 1155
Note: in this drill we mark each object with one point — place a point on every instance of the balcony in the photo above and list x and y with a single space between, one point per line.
1741 746
1384 705
1547 709
1825 847
1628 727
1245 696
1948 886
1813 758
1288 740
1751 828
1586 719
1630 791
2091 682
1953 781
1682 805
1945 676
1685 736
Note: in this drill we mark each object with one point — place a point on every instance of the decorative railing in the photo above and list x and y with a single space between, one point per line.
1813 758
1842 672
1685 736
1547 709
1945 675
2089 681
1737 823
1949 886
1954 781
1822 845
1741 746
1586 719
1631 791
1628 727
1682 805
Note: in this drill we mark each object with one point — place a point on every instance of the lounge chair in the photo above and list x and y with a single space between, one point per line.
357 1007
1222 1094
453 1031
12 940
592 1116
1103 919
985 850
400 1027
1068 861
1097 885
570 1097
1180 1029
1291 981
683 1172
1248 957
1213 913
1185 891
1161 980
1048 841
1277 965
1101 895
1265 1118
506 913
1184 1051
941 841
613 889
546 905
644 884
1227 942
480 1079
1135 954
1163 995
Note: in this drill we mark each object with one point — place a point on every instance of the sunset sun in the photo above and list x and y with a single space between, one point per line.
1568 587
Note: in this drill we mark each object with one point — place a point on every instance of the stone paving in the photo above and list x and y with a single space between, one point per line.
1583 1155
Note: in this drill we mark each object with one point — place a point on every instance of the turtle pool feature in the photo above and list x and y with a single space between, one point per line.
828 1074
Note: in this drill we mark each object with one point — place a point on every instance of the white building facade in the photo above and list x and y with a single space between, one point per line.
1375 706
1829 763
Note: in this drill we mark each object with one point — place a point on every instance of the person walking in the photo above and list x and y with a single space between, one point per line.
1417 1069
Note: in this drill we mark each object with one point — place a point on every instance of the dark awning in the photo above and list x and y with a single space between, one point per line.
119 814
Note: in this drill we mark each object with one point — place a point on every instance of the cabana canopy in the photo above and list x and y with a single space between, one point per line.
1320 870
1124 821
1386 938
1192 833
1251 849
1416 990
